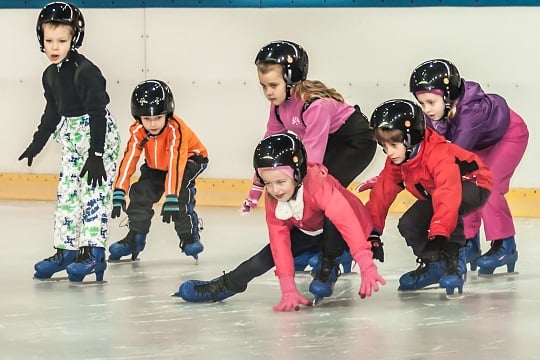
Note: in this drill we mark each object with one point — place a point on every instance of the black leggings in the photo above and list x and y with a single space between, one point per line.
415 222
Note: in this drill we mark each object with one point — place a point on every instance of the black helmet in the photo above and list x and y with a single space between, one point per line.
151 97
292 58
436 74
281 150
62 13
403 115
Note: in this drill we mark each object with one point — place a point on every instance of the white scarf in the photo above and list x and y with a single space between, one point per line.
292 208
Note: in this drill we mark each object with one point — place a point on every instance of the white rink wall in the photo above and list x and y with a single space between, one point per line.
206 56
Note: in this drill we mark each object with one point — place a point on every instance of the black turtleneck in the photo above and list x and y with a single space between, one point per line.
74 87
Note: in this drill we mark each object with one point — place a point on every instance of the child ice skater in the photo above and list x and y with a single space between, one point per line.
333 132
76 112
484 124
300 195
448 183
174 157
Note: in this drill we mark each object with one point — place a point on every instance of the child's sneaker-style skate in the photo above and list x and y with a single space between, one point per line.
427 273
502 252
90 260
202 291
53 264
132 245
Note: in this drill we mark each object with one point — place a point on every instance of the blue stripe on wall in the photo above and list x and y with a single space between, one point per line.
32 4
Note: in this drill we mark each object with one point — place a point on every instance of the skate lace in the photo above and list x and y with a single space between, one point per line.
56 257
423 266
83 255
212 287
496 246
325 271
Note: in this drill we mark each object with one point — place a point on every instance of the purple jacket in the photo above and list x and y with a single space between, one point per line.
481 119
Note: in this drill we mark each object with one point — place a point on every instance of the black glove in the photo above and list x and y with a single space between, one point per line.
119 202
95 169
171 209
435 244
376 246
30 153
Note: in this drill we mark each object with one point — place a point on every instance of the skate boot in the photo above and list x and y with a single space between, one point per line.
427 273
132 245
456 268
472 251
304 259
345 260
90 260
58 262
502 252
325 276
191 246
201 291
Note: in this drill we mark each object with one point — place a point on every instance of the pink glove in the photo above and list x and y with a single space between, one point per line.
368 273
368 184
252 199
290 297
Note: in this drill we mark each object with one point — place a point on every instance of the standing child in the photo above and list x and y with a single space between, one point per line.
174 158
334 133
300 196
448 182
76 112
483 123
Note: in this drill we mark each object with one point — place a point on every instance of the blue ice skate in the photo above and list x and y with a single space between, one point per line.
53 264
345 260
206 291
427 273
325 275
456 268
304 259
132 245
472 251
89 261
502 252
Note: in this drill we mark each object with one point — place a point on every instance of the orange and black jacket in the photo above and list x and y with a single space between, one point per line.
168 151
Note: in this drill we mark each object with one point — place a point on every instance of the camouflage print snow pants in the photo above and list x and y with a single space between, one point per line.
82 213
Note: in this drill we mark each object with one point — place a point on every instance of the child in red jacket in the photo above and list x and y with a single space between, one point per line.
299 196
448 182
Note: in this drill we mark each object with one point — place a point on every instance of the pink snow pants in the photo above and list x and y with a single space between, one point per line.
502 159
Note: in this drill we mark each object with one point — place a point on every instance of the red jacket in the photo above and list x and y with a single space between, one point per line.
167 151
433 173
323 196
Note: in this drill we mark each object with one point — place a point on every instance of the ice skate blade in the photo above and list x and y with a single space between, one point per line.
427 288
122 261
88 283
316 301
504 274
52 279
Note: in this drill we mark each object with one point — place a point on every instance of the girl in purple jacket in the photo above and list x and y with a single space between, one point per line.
483 123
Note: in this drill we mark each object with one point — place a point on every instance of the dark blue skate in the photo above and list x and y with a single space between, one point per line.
132 245
90 260
427 273
502 252
304 259
325 275
456 268
53 264
472 251
206 291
